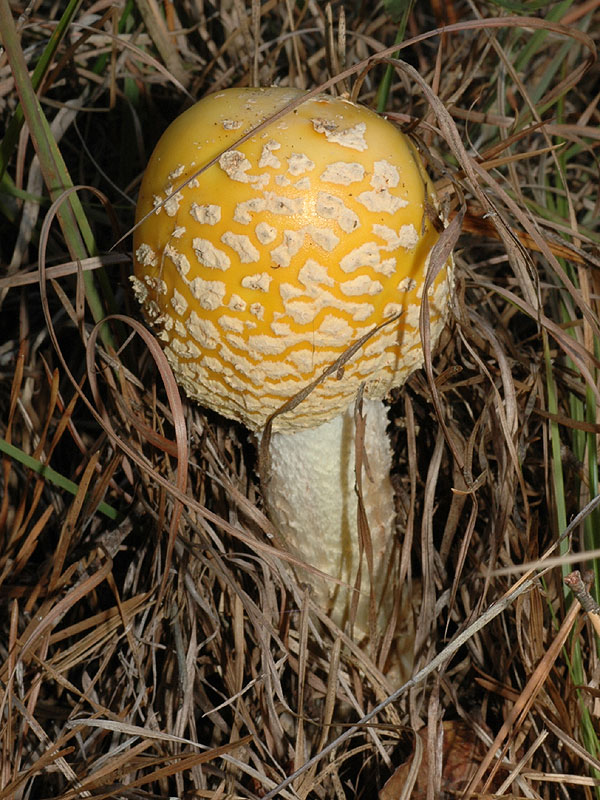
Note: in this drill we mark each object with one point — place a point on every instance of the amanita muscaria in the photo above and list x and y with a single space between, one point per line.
257 275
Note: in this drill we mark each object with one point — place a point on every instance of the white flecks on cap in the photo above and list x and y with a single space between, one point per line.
214 365
384 175
333 330
203 331
303 185
288 291
389 235
232 124
291 244
193 350
178 231
180 260
302 312
229 323
352 137
266 345
279 389
146 255
258 310
407 285
359 311
386 267
208 214
366 255
323 237
241 244
411 315
408 236
381 199
299 164
267 159
362 311
210 256
181 330
157 285
171 204
362 284
179 303
275 373
313 273
209 294
177 348
329 206
139 289
265 233
343 173
176 172
244 210
391 309
303 305
237 303
259 282
304 360
442 292
280 204
152 309
282 329
230 356
236 165
166 321
425 268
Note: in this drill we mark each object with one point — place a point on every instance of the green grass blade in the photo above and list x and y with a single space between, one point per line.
70 215
11 136
49 474
557 470
538 38
399 11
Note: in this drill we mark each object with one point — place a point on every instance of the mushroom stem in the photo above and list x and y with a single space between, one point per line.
312 499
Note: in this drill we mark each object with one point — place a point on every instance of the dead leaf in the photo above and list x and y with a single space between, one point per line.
461 753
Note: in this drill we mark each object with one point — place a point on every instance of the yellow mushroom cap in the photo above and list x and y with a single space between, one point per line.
261 271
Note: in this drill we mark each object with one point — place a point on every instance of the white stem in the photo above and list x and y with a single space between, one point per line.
312 500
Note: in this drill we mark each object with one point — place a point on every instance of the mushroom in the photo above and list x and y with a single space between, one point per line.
260 272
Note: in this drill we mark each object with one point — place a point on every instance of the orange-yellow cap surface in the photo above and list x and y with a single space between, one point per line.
262 270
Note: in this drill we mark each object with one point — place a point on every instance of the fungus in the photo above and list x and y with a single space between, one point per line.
260 272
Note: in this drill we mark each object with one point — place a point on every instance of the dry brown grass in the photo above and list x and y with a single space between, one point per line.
170 651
